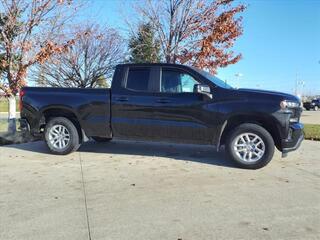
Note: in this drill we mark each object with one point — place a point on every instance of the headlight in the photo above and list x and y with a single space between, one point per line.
288 104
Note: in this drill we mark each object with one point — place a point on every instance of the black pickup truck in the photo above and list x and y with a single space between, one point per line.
314 104
166 102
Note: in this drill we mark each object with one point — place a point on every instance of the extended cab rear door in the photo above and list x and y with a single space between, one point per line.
133 101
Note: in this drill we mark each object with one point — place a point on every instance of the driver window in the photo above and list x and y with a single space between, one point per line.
173 81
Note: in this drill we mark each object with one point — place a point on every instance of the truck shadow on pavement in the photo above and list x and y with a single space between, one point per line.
187 152
205 154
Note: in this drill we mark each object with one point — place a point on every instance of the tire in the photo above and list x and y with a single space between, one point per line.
308 109
316 108
101 139
262 149
61 127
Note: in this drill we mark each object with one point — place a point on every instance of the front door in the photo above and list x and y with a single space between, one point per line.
179 113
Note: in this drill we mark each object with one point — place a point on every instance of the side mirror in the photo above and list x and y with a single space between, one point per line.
202 89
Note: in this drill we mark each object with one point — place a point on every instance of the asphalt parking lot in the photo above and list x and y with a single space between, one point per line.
128 190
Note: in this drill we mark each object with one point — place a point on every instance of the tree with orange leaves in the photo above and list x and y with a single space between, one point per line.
30 32
199 33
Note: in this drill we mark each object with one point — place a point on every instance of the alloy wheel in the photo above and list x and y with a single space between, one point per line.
59 136
249 147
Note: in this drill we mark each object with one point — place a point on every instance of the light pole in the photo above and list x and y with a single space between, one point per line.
298 83
238 76
226 82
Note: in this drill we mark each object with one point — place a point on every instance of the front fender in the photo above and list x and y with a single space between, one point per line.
236 113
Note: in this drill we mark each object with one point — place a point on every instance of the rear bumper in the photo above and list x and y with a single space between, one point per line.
294 139
24 125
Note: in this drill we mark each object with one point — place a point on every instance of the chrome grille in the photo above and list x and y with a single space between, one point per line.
295 114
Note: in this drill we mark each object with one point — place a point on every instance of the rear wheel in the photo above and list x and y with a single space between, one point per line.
101 139
61 136
250 146
316 108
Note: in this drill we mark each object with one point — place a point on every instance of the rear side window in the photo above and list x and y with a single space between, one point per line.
138 79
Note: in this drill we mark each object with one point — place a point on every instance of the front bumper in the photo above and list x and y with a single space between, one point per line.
294 139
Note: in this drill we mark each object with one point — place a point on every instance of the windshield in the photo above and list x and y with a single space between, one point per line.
212 78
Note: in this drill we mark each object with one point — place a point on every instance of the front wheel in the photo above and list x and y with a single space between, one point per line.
316 108
61 136
250 146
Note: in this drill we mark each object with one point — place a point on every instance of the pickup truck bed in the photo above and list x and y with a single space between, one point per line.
90 107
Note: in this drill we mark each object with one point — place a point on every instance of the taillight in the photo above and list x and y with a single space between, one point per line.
21 94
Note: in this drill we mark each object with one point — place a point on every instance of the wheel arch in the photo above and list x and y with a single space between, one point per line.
68 113
267 122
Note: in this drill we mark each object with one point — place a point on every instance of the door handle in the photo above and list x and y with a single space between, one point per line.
163 100
122 99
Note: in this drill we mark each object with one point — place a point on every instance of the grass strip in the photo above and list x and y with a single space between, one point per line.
312 132
4 105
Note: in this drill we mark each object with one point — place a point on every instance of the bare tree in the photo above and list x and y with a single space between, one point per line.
195 32
30 32
92 57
